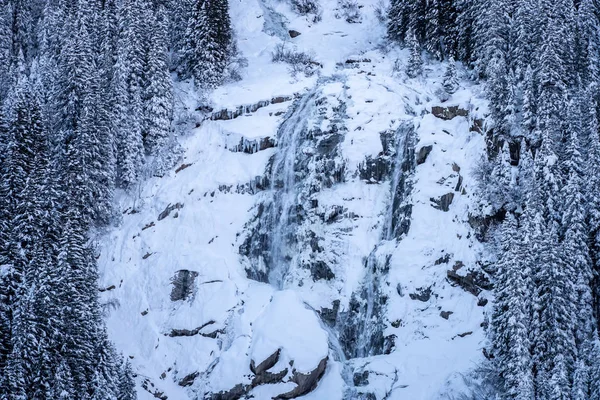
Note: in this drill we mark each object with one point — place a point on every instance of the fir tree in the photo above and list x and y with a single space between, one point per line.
415 62
158 99
208 43
126 383
451 83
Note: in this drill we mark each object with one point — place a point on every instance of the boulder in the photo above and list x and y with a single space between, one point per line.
294 33
446 314
423 153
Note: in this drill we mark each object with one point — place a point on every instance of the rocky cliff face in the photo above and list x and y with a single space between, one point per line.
316 247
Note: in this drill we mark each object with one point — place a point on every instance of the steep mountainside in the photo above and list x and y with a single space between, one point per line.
314 241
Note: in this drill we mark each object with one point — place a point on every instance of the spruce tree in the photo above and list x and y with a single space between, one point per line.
208 43
158 98
415 62
451 83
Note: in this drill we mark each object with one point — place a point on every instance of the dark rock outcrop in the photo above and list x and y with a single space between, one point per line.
183 284
473 282
268 363
423 153
374 170
448 113
446 314
294 33
422 294
193 332
251 146
329 315
306 382
227 114
188 380
168 210
443 203
361 379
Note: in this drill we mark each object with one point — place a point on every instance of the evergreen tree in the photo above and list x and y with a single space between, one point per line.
208 43
451 83
511 322
158 99
126 383
415 62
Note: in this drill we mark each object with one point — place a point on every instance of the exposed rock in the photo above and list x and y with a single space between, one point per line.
183 284
443 203
226 114
446 314
188 380
320 270
329 315
144 313
182 167
147 226
473 282
455 167
148 386
294 33
327 144
268 363
168 210
448 113
477 126
192 332
458 186
423 294
361 379
306 382
234 393
423 153
353 61
145 256
111 287
465 334
251 146
482 302
374 170
443 259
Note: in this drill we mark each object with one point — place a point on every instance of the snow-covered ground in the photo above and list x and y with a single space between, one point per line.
242 321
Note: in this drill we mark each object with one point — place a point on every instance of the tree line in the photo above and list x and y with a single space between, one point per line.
86 108
539 60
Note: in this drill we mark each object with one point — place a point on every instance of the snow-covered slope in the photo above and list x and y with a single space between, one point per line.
312 247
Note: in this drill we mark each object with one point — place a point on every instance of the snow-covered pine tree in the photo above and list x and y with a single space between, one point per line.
414 68
179 13
588 42
511 321
208 43
126 383
127 96
451 83
158 95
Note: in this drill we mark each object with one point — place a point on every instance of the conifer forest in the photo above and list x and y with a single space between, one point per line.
312 199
